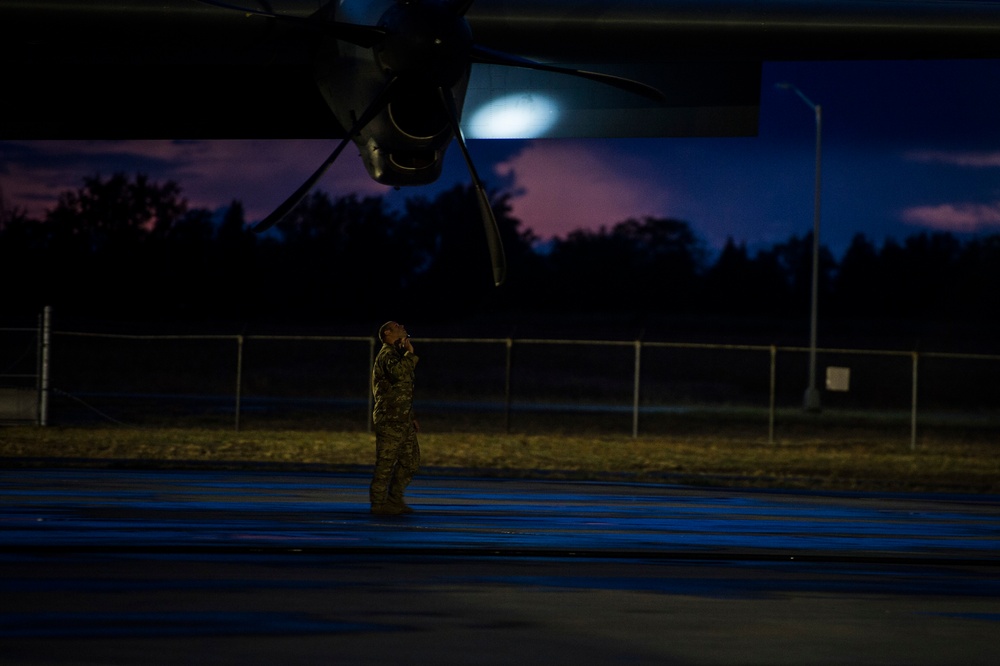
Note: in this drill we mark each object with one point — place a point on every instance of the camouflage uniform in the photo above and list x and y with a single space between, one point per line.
397 455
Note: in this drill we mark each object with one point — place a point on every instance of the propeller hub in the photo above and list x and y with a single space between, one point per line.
425 40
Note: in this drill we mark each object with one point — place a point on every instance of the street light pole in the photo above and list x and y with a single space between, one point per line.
811 400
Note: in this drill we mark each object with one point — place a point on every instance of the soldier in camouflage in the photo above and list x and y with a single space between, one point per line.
397 455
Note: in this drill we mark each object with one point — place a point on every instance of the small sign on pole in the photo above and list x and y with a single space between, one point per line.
838 379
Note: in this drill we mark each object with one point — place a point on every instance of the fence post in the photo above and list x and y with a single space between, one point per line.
913 405
773 393
635 390
45 336
506 384
239 379
371 396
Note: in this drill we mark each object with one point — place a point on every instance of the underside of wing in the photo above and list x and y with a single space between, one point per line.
702 99
668 30
173 69
182 69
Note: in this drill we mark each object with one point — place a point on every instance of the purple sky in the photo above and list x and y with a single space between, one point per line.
907 146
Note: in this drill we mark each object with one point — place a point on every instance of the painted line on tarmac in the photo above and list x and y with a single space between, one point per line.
510 553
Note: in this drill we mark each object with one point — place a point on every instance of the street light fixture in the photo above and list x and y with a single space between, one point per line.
811 400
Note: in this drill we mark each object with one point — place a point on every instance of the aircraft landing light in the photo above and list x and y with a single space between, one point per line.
518 116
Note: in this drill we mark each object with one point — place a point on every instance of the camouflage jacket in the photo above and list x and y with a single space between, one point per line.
392 385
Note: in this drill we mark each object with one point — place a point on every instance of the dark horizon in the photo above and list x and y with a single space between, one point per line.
162 260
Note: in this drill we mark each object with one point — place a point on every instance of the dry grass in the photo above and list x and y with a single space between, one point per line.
936 466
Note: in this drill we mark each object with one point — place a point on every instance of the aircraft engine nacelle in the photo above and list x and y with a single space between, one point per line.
426 41
426 47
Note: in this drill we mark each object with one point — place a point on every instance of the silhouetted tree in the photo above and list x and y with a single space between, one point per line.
652 264
935 273
178 269
234 237
859 283
97 255
453 271
920 276
669 259
728 282
527 271
117 213
22 252
794 259
979 288
592 271
353 259
337 256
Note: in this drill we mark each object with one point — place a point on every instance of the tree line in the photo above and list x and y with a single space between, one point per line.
124 246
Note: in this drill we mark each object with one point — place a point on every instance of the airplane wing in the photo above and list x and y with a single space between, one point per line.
704 55
180 69
155 69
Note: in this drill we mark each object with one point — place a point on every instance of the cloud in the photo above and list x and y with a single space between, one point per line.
959 218
260 173
956 217
562 186
972 159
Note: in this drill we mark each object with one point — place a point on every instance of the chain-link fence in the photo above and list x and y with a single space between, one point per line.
520 385
23 372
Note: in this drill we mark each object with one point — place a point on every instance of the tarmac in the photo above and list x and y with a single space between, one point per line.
128 566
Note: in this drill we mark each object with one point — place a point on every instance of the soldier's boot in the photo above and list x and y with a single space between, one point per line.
397 504
401 507
386 509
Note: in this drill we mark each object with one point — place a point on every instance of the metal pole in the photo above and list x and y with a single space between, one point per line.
38 368
811 399
812 402
773 394
913 406
371 396
506 384
239 379
635 390
43 398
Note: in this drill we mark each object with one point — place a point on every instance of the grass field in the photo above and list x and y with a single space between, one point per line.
857 464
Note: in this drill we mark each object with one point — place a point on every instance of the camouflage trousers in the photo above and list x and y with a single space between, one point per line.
397 459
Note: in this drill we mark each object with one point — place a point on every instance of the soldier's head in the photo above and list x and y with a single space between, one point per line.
391 331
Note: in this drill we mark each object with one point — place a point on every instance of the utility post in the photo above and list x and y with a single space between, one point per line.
811 400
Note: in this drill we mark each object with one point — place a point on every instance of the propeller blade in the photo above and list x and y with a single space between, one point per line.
379 103
497 257
460 7
487 56
365 36
281 211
